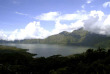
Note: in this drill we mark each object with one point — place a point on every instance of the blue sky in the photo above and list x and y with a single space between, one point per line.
24 19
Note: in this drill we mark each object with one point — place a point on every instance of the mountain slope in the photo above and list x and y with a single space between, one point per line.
67 38
77 37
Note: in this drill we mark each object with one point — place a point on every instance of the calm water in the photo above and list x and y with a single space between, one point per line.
47 50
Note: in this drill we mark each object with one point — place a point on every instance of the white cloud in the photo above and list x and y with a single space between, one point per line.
55 16
83 6
3 36
98 22
106 4
107 20
94 21
21 13
76 25
95 13
59 28
51 16
81 12
89 1
24 14
68 17
32 30
66 27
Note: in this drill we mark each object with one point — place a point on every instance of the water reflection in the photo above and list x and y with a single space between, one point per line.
47 50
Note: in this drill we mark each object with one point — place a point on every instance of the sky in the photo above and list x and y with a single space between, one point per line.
34 19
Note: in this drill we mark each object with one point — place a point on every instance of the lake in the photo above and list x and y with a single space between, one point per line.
46 50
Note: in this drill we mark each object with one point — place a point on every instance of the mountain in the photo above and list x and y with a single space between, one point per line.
77 37
67 38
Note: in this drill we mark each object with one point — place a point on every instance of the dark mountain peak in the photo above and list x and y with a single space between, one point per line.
80 32
80 29
64 33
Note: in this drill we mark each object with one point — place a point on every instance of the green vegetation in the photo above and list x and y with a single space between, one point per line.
18 61
78 37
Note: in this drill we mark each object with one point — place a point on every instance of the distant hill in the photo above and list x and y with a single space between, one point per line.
77 37
67 38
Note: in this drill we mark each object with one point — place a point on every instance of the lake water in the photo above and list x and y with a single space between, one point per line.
46 50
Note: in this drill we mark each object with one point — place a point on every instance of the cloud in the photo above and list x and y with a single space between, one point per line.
32 30
21 13
59 28
89 1
51 16
83 6
97 22
106 4
3 36
66 27
74 26
55 16
94 21
98 14
68 17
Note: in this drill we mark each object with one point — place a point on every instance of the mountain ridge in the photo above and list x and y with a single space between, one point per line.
77 37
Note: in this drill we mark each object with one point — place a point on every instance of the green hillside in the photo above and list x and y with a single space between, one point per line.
77 37
67 38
